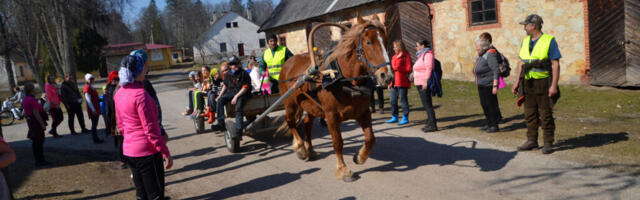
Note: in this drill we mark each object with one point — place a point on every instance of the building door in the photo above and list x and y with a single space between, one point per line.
606 42
410 22
240 49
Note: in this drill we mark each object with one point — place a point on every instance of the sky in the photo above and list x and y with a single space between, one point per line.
133 10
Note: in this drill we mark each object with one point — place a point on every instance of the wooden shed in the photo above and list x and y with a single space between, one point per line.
614 41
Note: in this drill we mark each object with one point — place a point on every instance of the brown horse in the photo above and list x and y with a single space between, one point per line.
336 105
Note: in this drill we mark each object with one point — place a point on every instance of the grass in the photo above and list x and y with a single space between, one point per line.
593 125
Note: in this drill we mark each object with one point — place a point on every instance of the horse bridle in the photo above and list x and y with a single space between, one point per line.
360 52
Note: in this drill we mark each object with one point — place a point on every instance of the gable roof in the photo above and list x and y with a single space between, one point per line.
215 28
292 11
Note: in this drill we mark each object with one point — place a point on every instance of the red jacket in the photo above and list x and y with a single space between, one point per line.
401 67
94 100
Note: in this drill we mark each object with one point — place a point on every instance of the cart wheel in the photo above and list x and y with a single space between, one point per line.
233 144
199 124
6 117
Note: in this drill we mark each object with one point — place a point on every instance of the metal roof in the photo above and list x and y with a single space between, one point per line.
292 11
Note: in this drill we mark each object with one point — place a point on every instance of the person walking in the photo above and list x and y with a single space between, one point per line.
539 70
93 106
53 98
487 73
422 72
72 100
137 117
401 64
36 123
272 61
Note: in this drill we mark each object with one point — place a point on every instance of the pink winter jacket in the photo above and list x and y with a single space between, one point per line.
422 68
137 118
52 95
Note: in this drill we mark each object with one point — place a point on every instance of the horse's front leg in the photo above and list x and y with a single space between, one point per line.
342 172
369 139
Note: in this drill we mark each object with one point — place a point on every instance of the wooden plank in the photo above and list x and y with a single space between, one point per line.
632 43
606 32
416 24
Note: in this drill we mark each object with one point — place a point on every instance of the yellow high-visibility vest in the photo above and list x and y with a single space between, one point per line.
275 62
540 52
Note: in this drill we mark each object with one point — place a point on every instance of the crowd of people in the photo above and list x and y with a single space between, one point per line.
132 114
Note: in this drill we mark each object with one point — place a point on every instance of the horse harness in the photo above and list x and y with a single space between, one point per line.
333 79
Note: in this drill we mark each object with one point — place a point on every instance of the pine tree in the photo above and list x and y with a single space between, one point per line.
236 6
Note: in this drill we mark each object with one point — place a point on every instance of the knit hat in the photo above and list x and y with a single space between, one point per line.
88 76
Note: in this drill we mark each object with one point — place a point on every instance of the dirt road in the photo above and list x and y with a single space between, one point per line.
405 164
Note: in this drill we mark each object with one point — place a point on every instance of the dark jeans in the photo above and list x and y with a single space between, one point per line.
226 98
275 89
537 109
190 100
427 103
75 109
200 100
37 145
489 103
402 92
117 142
211 100
148 176
380 98
94 126
56 116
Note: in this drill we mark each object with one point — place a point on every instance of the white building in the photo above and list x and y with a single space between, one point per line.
231 34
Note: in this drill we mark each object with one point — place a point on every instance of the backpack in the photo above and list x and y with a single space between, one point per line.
503 63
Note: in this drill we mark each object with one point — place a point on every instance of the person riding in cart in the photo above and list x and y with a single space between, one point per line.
236 87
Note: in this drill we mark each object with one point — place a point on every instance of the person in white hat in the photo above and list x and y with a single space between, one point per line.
93 106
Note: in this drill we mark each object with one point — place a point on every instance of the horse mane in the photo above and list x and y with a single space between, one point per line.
349 41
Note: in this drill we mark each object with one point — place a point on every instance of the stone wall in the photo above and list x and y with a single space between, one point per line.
562 18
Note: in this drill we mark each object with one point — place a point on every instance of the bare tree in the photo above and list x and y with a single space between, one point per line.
7 44
25 31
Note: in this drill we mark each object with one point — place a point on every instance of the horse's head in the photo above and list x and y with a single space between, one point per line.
361 51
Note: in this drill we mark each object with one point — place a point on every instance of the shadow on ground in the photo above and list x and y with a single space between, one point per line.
591 140
416 152
257 185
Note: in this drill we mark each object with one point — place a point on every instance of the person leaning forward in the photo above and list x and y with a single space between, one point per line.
236 88
272 60
539 72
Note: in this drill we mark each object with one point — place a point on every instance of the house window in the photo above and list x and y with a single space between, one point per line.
176 56
235 24
283 41
21 71
223 47
482 12
263 43
228 24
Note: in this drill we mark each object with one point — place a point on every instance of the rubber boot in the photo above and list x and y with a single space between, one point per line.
393 119
212 118
405 120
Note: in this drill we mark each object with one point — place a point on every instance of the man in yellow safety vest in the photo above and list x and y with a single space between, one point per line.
539 71
272 61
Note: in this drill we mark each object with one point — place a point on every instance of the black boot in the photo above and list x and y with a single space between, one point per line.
547 148
492 129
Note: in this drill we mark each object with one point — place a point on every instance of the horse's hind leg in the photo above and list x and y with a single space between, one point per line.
308 125
292 114
342 172
369 139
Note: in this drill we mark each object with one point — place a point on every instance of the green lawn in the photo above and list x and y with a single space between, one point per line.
593 125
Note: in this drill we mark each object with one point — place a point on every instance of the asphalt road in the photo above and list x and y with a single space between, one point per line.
405 164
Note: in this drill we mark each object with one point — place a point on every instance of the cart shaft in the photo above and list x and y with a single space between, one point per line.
277 103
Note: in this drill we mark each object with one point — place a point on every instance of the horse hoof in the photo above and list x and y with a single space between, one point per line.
312 155
302 155
349 179
355 160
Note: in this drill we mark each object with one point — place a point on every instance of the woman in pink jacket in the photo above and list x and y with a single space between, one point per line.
137 117
401 63
422 70
54 104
